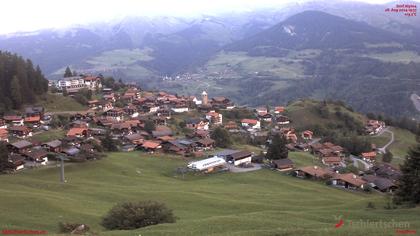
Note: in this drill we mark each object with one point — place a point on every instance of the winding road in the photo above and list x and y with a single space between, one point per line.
385 147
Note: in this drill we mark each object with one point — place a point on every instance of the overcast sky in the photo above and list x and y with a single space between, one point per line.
29 15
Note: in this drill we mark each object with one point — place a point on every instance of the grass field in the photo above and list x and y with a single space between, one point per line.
256 203
53 103
403 141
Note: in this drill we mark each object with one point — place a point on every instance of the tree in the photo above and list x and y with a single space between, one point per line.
409 188
134 215
277 149
149 126
108 143
221 137
15 92
67 72
4 158
387 157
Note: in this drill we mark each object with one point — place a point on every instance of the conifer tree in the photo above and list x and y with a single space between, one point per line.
409 187
15 92
68 72
277 149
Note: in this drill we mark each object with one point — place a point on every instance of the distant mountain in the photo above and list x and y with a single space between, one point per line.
315 30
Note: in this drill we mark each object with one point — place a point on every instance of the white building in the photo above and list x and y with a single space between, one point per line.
79 82
208 164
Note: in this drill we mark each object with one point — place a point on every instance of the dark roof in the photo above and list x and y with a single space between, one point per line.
283 162
240 155
21 144
161 133
54 143
36 154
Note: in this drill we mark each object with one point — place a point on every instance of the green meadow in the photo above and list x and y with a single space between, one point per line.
263 202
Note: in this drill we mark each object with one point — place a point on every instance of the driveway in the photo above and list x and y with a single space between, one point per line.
383 149
357 161
236 169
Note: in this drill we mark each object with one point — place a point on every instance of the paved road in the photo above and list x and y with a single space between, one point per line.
356 162
416 101
384 148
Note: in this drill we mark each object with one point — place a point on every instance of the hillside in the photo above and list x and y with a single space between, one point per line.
35 199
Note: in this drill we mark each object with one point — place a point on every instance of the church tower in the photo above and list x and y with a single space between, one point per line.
205 98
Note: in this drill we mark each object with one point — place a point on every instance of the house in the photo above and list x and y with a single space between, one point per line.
20 131
332 161
314 172
251 124
207 165
151 146
32 120
205 143
261 111
135 138
79 124
349 180
214 117
121 128
380 183
239 158
180 108
197 124
4 135
282 120
115 113
93 104
71 151
17 161
53 146
37 156
34 111
387 171
78 132
267 117
283 164
368 156
278 110
307 135
13 120
231 126
92 82
20 146
3 124
221 103
374 126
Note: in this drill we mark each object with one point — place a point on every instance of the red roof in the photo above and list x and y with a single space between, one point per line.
76 131
150 145
370 155
32 119
249 121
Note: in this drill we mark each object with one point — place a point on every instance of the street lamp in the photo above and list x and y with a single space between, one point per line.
62 159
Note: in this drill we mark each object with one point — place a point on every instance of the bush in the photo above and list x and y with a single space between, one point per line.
133 215
72 227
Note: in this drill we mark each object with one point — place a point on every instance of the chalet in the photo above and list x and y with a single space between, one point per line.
289 134
205 143
97 131
231 126
151 146
380 183
207 165
282 120
53 146
115 113
104 105
4 135
20 146
201 134
251 124
283 164
87 148
261 111
265 117
349 180
78 132
17 161
180 147
38 156
278 110
109 97
121 128
239 158
34 111
20 131
387 171
314 172
374 126
165 139
368 156
14 120
106 90
71 151
197 124
332 161
307 135
131 110
221 103
93 104
135 138
32 120
92 83
214 117
79 124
